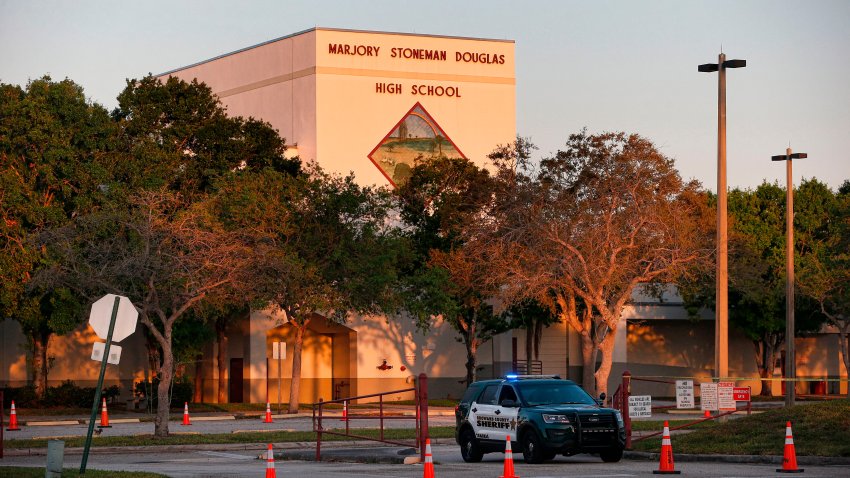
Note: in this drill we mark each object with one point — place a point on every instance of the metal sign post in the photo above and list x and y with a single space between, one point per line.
279 353
99 386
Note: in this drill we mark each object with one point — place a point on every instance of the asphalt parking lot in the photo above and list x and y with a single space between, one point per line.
212 463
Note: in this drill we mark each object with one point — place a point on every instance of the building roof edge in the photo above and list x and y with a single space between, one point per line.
291 35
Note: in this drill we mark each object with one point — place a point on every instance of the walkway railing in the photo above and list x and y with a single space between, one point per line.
421 418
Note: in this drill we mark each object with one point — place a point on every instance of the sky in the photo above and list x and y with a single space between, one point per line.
605 65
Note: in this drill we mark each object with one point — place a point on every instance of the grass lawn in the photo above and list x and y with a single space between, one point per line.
658 425
24 472
820 429
250 437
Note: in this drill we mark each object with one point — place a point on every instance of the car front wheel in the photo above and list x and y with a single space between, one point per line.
470 450
532 449
612 455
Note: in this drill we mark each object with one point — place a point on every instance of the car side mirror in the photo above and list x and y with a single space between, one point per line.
601 400
508 403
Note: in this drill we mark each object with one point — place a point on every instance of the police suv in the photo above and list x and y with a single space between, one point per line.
543 415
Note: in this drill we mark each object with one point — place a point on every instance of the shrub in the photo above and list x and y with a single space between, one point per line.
23 396
181 391
69 395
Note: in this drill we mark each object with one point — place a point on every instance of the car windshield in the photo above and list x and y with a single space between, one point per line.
553 393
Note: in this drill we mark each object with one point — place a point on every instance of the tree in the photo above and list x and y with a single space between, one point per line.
55 148
326 247
756 276
823 223
600 218
164 256
534 317
176 134
442 198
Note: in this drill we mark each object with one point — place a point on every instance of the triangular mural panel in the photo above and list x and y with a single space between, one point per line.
416 137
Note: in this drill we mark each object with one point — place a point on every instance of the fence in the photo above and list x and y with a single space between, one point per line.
421 417
2 420
620 401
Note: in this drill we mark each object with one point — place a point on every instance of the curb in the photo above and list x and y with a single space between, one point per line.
308 447
755 459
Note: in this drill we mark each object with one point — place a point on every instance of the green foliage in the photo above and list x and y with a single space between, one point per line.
56 149
440 202
177 135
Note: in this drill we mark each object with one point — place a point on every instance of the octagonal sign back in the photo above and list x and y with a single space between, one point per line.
125 321
415 138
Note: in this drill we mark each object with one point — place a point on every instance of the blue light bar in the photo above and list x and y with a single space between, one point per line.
511 376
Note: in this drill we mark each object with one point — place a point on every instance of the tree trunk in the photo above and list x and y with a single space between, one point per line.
470 341
295 383
844 345
471 360
221 362
588 362
538 335
199 380
529 345
39 363
607 349
153 355
166 372
765 360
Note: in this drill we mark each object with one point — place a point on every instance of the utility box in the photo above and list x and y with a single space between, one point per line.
55 458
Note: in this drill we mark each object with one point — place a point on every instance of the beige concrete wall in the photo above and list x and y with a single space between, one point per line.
69 358
274 82
13 354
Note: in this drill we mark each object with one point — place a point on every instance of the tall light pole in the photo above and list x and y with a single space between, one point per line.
790 357
721 323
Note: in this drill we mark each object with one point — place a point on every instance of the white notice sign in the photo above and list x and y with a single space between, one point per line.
640 406
708 396
114 353
684 394
725 396
279 350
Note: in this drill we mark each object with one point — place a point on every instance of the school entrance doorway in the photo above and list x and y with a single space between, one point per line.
328 362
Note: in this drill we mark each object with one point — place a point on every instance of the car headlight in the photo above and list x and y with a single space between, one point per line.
619 417
556 419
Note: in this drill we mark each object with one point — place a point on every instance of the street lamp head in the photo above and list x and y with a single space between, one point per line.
783 157
708 67
734 63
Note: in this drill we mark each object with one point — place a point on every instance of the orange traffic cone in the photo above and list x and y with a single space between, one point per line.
344 411
509 461
268 418
665 467
789 458
13 419
186 414
706 414
270 473
429 461
104 417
